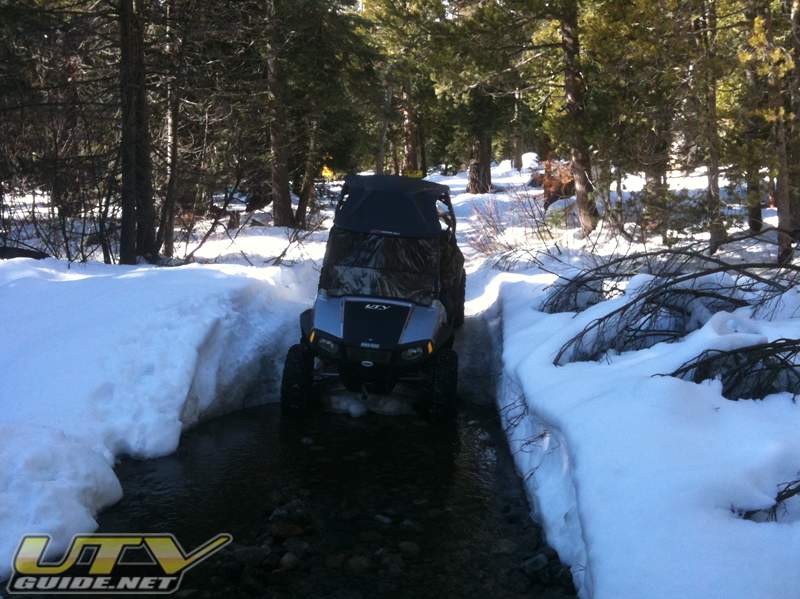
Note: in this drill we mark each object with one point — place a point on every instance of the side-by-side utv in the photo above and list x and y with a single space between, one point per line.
391 294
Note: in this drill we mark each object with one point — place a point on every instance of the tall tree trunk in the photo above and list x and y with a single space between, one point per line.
516 136
754 194
411 150
166 229
782 193
480 167
138 212
617 212
105 204
794 132
395 157
755 105
307 188
380 154
281 200
575 90
423 154
706 35
656 198
127 75
145 206
659 143
517 151
716 224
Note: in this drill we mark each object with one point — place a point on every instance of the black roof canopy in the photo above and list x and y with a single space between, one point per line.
399 206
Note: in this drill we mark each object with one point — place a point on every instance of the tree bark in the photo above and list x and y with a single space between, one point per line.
706 35
166 229
410 137
380 154
170 202
716 224
395 158
307 188
127 75
516 136
794 95
656 197
145 207
754 194
480 167
517 149
281 200
423 155
782 192
138 211
754 105
105 242
575 90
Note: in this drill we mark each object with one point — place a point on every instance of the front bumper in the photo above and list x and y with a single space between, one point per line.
370 363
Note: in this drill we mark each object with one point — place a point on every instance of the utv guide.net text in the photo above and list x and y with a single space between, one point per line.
98 564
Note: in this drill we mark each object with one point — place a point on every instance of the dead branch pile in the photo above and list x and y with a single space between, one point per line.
787 492
511 231
751 372
682 289
661 310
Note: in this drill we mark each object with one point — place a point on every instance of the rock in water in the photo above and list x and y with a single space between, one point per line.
359 564
534 565
285 530
504 547
289 561
408 548
251 556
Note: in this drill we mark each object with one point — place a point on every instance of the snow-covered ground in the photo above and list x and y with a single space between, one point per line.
638 480
103 361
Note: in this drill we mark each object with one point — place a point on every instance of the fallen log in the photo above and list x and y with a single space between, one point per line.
7 253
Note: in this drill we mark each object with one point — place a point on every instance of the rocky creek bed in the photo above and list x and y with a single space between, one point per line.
336 507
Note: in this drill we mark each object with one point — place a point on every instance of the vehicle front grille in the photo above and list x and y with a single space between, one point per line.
376 356
373 323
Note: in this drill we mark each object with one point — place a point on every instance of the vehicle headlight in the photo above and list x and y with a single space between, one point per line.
412 353
327 345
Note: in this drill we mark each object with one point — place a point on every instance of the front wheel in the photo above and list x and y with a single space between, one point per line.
444 385
298 380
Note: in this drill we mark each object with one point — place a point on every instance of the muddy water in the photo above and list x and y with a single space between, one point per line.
333 506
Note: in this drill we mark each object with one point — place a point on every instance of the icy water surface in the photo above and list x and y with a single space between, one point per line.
345 508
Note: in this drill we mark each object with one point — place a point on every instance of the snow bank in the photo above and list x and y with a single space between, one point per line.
639 479
103 361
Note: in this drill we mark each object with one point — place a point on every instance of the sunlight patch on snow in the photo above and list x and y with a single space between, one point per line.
485 283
